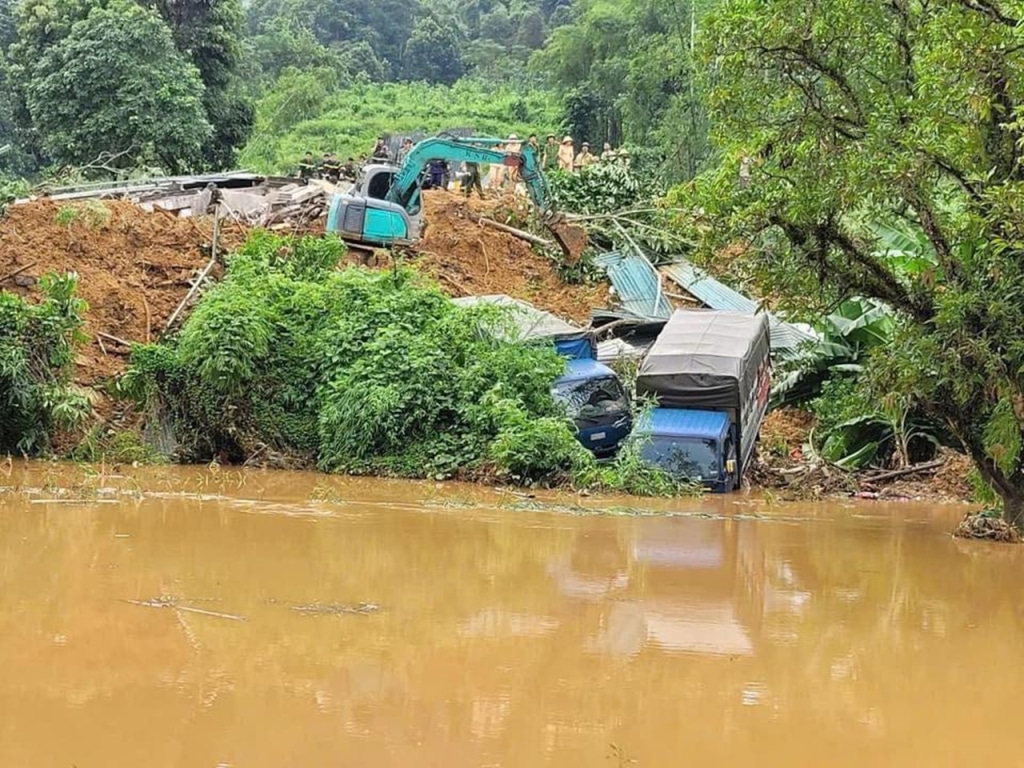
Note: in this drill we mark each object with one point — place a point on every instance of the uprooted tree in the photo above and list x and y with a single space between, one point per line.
840 120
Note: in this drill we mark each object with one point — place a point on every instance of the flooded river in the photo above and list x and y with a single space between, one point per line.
177 617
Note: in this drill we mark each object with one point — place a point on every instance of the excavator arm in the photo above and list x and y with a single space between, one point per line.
405 189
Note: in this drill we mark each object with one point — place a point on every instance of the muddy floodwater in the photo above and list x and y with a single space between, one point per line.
198 617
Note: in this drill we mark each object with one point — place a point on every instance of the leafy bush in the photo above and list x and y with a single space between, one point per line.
355 370
37 348
629 473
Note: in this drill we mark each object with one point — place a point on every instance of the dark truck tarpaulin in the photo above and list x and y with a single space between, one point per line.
712 360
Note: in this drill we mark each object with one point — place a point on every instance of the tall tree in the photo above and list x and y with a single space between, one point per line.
432 53
626 73
209 32
116 86
843 120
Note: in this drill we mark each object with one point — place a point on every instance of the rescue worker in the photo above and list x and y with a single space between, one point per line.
404 151
380 150
584 159
512 172
497 178
566 155
307 167
331 169
607 154
473 181
549 159
348 170
436 174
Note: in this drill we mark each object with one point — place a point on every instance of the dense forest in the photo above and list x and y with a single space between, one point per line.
106 86
861 161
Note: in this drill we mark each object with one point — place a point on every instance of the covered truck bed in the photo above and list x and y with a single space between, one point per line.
714 360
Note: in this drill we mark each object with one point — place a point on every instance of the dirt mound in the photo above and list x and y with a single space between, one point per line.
788 426
468 258
134 267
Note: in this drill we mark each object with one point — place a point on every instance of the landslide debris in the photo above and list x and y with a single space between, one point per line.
133 267
467 258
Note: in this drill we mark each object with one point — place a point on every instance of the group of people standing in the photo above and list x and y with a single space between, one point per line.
564 156
329 168
552 156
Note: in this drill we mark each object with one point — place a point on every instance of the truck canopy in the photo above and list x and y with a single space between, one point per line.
531 325
706 359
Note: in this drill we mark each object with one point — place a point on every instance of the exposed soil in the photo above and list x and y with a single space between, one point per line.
787 426
134 267
468 258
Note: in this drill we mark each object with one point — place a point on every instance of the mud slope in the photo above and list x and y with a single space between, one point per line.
133 267
467 258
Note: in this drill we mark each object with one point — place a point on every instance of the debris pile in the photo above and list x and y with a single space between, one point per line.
278 204
470 259
133 267
985 525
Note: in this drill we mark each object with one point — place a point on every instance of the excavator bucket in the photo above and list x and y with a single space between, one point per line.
571 238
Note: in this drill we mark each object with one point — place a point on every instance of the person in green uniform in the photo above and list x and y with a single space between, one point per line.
331 169
549 157
307 167
473 180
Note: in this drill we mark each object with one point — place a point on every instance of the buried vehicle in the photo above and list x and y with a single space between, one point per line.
590 392
710 374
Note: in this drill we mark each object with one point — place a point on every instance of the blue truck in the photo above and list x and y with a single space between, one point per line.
596 401
590 392
709 372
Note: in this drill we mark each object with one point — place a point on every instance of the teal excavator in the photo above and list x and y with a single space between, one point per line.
385 206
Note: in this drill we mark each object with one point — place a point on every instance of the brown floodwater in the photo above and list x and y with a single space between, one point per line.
198 617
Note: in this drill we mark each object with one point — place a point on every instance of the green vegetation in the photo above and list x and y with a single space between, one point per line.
357 371
893 125
37 346
306 111
363 372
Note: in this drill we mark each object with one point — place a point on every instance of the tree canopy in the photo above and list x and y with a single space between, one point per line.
856 119
144 102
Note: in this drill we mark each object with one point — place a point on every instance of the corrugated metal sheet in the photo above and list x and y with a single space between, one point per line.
531 323
636 282
786 337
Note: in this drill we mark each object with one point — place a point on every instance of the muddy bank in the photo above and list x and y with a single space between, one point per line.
470 259
135 267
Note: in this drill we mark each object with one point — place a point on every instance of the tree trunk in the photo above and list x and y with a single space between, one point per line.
1013 510
1009 487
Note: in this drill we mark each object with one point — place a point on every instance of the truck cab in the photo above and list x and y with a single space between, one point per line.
597 403
691 445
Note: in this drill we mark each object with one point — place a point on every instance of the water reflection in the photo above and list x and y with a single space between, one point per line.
521 638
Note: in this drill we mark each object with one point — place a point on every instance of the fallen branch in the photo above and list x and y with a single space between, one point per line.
175 606
115 339
149 320
17 272
926 466
487 261
455 284
528 237
199 280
